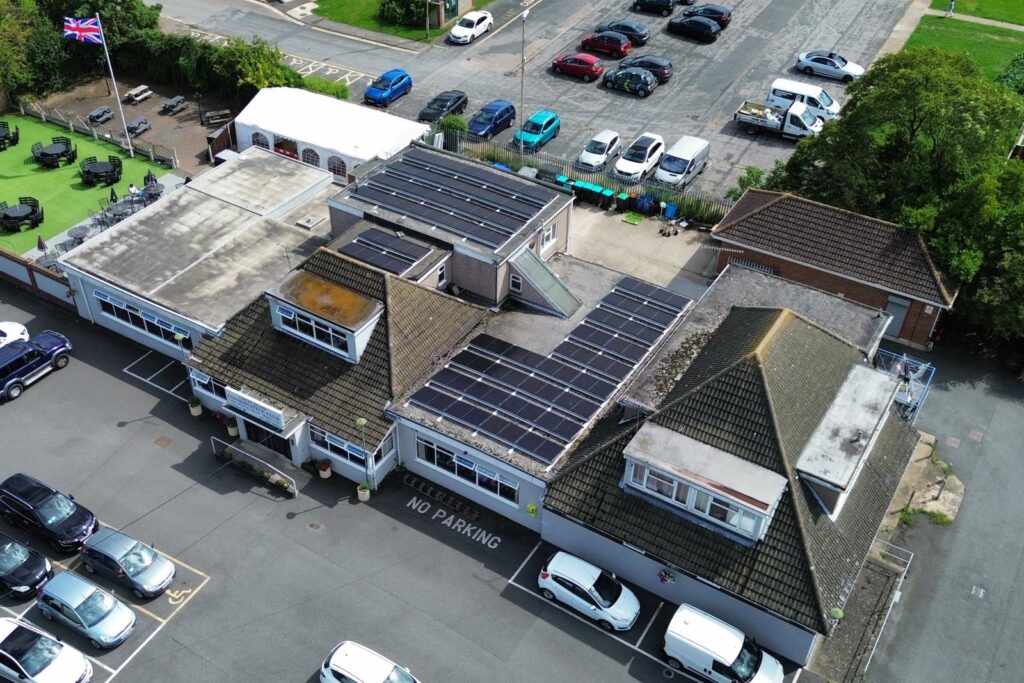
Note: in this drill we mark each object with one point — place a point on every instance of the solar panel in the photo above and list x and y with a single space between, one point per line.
375 257
630 305
603 365
410 250
676 302
461 189
519 188
621 347
637 330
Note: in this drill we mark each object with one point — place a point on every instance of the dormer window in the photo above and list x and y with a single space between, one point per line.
334 339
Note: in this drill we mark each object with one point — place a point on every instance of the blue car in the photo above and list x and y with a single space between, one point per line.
538 130
388 87
24 362
492 118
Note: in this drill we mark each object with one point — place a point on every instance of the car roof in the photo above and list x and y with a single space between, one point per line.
578 570
361 663
647 139
714 635
69 588
711 23
27 488
612 35
12 350
653 59
643 73
605 135
9 624
111 542
712 6
475 14
583 57
494 105
393 73
543 115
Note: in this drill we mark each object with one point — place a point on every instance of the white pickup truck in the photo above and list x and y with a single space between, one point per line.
795 122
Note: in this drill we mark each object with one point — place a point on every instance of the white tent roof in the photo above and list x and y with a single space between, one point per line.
353 130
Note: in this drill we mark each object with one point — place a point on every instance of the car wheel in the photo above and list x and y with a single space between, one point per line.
751 129
548 595
605 626
472 38
89 568
95 644
609 84
53 544
636 7
139 594
808 70
641 93
61 361
14 391
586 78
847 79
557 130
557 70
675 663
664 12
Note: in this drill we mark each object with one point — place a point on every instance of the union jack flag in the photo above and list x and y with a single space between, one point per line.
85 30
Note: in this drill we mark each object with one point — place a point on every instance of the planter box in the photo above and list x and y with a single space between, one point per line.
268 478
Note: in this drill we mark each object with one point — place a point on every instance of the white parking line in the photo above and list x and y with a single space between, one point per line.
137 360
650 624
128 371
513 577
160 370
114 673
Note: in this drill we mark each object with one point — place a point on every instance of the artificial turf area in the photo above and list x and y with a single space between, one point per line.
1011 11
991 47
60 191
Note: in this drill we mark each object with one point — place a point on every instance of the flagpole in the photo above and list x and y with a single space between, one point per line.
120 108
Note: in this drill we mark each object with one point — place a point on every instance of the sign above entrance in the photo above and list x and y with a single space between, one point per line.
256 408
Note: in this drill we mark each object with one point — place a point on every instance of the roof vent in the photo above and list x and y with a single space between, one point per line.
309 221
857 437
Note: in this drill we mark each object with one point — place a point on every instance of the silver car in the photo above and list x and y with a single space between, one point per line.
91 611
132 563
825 63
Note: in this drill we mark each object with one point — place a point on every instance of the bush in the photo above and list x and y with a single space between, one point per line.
455 129
403 12
326 87
1013 74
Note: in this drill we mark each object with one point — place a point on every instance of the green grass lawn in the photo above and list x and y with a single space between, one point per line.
64 198
363 14
991 47
1011 11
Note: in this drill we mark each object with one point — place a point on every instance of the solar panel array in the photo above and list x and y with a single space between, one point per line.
385 251
479 205
539 405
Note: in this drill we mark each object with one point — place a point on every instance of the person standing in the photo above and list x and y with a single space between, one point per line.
949 8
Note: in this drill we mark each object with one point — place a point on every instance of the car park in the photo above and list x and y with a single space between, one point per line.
87 609
492 118
683 161
659 67
29 503
448 102
699 28
828 64
580 65
25 362
637 33
123 559
601 149
641 157
607 42
23 571
138 126
589 590
640 82
12 332
28 653
538 130
662 7
470 27
718 14
698 642
350 662
388 87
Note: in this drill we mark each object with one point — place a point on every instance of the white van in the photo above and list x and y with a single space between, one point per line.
785 92
712 648
683 161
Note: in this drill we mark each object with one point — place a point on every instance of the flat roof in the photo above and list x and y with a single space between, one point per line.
841 440
206 249
858 324
328 300
680 455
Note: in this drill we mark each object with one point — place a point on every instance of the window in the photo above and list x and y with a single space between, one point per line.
286 146
659 484
442 275
515 283
305 326
341 448
144 321
208 384
638 473
336 165
548 236
260 140
682 492
467 470
309 156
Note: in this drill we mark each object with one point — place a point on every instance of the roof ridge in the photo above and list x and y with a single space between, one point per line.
600 447
799 316
725 226
936 274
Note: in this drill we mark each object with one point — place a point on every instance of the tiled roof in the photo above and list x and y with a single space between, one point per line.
840 241
404 344
758 390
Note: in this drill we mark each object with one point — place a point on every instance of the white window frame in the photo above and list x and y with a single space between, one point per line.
442 274
338 447
207 384
549 235
426 446
145 321
291 320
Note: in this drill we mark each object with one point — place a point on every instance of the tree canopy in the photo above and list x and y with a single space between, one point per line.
923 141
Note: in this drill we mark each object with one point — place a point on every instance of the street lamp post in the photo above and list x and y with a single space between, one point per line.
522 86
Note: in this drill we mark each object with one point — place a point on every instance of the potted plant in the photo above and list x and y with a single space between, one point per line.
232 427
363 491
194 406
324 467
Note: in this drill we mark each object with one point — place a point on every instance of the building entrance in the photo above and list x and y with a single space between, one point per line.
267 439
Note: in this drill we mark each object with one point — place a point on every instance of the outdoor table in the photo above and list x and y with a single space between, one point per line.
57 149
78 233
99 168
18 212
5 132
154 189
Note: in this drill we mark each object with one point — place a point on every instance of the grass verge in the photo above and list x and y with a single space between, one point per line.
363 14
991 47
1011 11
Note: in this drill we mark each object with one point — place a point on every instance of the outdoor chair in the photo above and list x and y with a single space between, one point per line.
3 143
64 140
9 225
86 161
3 206
38 217
29 201
4 125
72 155
15 137
37 150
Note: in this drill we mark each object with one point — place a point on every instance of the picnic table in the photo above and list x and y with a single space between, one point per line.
173 105
100 115
18 212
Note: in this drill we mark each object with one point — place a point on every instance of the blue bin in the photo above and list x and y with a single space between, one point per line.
501 167
670 211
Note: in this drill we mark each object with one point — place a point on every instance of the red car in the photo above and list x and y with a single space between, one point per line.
608 42
581 65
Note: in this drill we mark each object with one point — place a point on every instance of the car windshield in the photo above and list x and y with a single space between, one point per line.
482 117
674 164
748 661
381 84
636 153
12 556
840 61
138 559
596 147
33 651
532 127
808 118
56 509
606 590
825 100
467 23
95 607
399 675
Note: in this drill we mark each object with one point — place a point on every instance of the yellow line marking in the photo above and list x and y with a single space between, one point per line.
186 566
188 597
149 614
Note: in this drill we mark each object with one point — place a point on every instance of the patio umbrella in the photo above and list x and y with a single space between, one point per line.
113 195
40 244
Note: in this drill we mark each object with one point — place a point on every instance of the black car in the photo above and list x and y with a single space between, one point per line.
23 571
28 502
448 102
640 82
699 28
720 15
659 67
637 33
662 7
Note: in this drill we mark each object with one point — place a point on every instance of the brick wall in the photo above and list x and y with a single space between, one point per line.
917 324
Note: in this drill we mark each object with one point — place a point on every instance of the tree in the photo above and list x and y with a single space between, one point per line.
1013 75
403 12
253 66
15 26
455 130
923 142
754 177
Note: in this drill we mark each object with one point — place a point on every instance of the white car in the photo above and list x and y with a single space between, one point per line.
351 662
471 27
590 590
641 157
825 63
30 654
601 149
10 332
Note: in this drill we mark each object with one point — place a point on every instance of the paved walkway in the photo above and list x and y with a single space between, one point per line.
976 20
